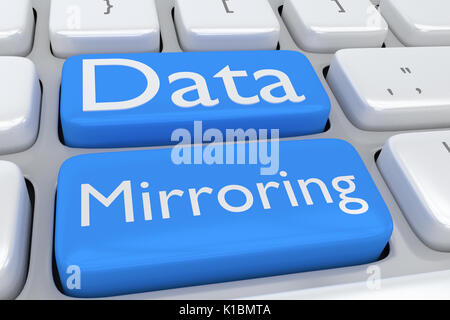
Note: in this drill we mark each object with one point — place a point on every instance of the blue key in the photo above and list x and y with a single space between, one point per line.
133 100
136 221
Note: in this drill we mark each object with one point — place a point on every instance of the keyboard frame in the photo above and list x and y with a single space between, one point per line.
40 165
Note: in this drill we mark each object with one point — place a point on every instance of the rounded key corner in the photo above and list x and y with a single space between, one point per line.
8 165
24 146
385 228
343 143
20 59
345 51
69 163
388 228
15 229
73 60
294 53
72 163
364 121
68 60
393 140
11 288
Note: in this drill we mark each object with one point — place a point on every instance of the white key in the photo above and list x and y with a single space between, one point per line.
221 25
416 167
419 22
103 26
393 88
16 27
20 98
15 219
329 25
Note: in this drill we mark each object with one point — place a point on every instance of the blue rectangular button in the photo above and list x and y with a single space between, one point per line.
135 221
133 100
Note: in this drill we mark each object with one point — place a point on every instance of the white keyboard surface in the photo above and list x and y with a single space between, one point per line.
384 66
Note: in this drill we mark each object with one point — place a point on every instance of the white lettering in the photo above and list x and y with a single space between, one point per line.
223 202
200 86
164 198
89 85
87 190
228 80
346 200
285 83
193 194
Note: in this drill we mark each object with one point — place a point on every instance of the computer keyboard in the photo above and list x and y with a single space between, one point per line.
172 83
173 241
341 192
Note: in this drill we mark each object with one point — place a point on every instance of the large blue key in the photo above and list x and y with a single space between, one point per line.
135 221
132 100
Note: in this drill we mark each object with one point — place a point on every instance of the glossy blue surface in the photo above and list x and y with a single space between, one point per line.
153 122
232 234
